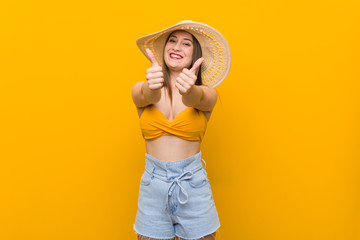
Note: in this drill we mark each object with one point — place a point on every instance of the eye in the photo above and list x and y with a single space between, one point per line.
171 40
188 44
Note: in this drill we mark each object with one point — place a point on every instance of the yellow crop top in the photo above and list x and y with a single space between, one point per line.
189 124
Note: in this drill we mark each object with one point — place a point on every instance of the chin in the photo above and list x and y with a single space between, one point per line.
173 67
176 67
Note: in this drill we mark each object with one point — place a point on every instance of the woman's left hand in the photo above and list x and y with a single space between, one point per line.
187 78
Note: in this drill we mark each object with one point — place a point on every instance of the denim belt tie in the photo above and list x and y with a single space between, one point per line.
184 176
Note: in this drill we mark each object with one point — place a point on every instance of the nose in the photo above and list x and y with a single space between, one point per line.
176 47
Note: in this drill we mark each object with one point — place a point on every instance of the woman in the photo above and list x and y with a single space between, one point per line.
174 107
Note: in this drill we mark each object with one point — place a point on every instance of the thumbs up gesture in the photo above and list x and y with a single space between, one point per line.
187 78
154 74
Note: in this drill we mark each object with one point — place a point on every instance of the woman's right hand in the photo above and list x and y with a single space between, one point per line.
154 74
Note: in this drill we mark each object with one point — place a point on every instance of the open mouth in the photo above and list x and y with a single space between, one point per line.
175 56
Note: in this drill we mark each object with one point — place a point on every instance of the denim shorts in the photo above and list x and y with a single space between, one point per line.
175 199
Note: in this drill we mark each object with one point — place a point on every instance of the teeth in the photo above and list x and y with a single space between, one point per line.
175 56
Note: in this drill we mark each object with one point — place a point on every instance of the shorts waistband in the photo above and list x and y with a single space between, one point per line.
171 169
174 172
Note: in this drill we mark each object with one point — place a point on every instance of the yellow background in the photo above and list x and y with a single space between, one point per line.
282 145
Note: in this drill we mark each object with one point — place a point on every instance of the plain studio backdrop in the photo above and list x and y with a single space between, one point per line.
281 147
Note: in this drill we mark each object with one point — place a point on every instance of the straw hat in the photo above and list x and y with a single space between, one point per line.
214 47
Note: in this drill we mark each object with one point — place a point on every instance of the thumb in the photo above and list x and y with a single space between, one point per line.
197 64
152 58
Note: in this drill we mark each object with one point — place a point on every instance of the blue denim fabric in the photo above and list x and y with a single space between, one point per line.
175 198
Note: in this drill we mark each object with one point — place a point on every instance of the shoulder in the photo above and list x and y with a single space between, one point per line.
136 85
209 98
209 88
210 92
140 110
137 96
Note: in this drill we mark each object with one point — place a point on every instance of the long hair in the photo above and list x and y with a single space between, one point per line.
197 53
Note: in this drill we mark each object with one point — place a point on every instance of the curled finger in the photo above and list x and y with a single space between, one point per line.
156 80
155 86
154 69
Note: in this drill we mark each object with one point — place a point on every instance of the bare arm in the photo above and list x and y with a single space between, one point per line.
201 97
142 95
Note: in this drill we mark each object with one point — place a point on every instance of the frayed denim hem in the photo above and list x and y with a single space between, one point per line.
145 236
199 238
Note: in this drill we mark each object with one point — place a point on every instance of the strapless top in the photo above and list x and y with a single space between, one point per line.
190 124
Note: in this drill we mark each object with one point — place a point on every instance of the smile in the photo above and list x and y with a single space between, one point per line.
175 56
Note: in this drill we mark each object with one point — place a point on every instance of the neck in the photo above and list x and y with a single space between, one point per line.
173 76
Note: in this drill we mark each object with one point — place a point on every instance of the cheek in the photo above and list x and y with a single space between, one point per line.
166 52
190 52
167 47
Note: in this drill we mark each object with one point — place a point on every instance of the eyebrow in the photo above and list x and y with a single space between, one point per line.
184 38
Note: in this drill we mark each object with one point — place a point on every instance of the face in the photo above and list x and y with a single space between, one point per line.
179 50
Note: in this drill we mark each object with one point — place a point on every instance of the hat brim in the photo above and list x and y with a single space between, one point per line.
215 49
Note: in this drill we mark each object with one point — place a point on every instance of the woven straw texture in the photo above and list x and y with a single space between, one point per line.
215 49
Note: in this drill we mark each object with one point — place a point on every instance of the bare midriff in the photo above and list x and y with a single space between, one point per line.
171 148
